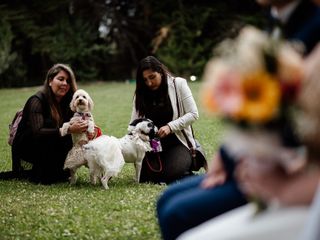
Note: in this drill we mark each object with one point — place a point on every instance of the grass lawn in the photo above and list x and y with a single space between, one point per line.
83 211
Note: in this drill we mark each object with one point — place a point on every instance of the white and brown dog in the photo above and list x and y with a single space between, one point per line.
106 155
82 106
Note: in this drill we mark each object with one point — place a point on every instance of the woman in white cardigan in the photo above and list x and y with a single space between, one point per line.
156 94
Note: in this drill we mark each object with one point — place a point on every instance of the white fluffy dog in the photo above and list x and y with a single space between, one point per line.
82 106
106 155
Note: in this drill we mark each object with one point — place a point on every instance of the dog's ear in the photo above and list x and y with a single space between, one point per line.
72 104
139 120
135 122
131 128
90 103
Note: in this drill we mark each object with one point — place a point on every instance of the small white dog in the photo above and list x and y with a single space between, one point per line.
82 106
106 155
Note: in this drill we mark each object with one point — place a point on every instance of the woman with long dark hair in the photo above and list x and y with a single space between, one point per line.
168 102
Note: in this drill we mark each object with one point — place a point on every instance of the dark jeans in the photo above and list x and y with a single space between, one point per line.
185 205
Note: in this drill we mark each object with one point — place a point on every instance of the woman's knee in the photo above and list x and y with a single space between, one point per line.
170 212
186 184
176 188
165 197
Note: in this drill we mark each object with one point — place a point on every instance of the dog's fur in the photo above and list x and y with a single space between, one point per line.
82 106
106 155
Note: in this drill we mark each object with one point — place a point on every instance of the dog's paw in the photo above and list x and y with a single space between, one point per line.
93 180
73 180
90 129
64 129
104 181
105 184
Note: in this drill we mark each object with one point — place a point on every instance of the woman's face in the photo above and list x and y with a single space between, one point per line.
152 79
60 84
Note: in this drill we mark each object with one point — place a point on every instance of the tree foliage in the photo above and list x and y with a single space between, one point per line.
104 40
6 57
195 29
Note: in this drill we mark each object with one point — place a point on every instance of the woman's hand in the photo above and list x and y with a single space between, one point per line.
78 126
216 175
260 179
270 182
164 131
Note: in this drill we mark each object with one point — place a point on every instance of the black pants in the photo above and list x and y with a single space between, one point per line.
168 166
47 156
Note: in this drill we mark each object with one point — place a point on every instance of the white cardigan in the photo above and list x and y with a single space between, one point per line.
188 109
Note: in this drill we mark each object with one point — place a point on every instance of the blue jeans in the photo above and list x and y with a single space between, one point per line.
185 205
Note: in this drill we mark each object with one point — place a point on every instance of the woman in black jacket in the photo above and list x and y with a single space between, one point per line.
38 149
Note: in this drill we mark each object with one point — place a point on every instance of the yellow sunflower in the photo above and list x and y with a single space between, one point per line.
261 98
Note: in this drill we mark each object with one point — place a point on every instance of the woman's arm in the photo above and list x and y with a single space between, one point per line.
37 121
188 108
272 183
216 175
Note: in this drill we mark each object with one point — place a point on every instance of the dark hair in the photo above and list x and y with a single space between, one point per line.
153 64
54 105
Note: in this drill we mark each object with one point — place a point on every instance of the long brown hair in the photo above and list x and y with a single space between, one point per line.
55 107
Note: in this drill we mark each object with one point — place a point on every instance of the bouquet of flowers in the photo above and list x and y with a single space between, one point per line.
253 84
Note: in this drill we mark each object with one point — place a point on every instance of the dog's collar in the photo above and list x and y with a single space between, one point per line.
84 115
